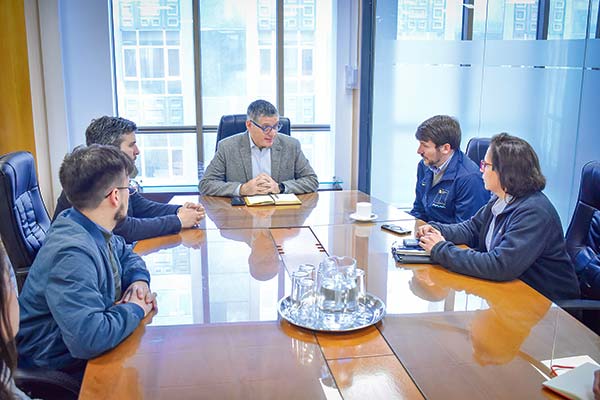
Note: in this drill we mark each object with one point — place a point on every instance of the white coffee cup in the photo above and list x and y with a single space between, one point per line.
363 210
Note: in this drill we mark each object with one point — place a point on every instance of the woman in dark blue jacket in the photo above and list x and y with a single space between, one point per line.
517 235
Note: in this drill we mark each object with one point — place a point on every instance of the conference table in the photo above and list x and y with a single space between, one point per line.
217 333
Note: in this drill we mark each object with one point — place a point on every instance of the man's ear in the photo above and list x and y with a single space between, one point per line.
248 124
114 197
445 148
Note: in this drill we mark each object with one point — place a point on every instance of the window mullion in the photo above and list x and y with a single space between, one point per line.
198 81
279 56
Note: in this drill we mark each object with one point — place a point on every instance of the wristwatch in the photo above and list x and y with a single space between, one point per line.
281 188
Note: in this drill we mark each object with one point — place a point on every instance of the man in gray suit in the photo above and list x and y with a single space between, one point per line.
259 161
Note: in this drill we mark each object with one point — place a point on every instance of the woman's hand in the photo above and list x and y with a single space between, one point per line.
430 238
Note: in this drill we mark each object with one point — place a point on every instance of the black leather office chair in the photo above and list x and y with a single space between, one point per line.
24 219
47 384
232 124
583 246
476 148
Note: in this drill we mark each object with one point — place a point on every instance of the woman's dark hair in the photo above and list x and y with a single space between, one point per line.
8 351
517 165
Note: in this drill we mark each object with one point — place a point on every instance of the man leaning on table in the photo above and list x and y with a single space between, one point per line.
145 218
259 161
449 185
86 291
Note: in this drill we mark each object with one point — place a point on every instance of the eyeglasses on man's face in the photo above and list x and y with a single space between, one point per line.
267 128
483 164
133 189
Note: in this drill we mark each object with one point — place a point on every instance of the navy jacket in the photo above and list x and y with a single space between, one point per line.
528 244
456 197
68 310
145 218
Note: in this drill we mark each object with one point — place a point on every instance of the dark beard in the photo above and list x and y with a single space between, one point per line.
120 214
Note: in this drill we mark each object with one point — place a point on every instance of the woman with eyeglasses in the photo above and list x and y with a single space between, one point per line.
9 325
517 235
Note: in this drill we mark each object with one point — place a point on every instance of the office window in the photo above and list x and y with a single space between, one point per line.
429 19
568 19
156 82
506 20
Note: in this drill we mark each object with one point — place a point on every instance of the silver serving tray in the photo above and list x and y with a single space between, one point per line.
371 310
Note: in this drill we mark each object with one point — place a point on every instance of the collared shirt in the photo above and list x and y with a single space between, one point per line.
113 263
497 208
438 172
261 161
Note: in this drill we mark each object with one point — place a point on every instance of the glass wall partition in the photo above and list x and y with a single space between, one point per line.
525 67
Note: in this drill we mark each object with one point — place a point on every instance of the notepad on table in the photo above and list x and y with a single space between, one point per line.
272 199
574 384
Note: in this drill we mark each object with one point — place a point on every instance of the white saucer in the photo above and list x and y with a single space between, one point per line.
361 219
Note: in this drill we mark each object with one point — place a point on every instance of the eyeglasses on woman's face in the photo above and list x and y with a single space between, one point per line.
483 164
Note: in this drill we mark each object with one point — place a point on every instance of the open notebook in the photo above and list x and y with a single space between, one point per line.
574 384
272 199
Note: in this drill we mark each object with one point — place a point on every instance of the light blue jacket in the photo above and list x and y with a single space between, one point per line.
67 305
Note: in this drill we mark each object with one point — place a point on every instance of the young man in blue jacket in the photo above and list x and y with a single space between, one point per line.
145 218
86 290
449 185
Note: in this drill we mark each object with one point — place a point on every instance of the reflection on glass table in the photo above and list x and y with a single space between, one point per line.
214 276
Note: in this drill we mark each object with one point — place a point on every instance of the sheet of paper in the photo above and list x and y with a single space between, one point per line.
575 383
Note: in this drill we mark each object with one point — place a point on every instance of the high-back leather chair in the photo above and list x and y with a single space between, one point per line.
583 234
232 124
24 219
583 245
476 148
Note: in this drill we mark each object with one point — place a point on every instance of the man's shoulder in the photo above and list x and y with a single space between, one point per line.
287 140
233 140
65 231
466 165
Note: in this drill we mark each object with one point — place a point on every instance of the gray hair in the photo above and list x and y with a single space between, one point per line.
108 130
261 108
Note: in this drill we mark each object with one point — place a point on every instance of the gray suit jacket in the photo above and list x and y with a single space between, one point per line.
232 165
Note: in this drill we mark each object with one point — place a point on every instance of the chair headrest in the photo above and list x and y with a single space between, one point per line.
18 161
589 188
236 123
476 148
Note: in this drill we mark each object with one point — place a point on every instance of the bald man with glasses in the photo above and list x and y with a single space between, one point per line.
259 161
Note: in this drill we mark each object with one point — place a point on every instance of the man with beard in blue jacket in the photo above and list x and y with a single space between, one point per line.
449 185
86 291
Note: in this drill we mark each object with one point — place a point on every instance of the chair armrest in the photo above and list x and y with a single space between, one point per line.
46 383
581 304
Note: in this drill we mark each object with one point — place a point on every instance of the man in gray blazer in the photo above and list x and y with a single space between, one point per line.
259 161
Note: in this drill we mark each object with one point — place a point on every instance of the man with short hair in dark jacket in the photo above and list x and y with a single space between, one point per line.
145 218
449 186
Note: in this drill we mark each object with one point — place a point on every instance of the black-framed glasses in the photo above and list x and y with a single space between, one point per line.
483 164
132 190
268 129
